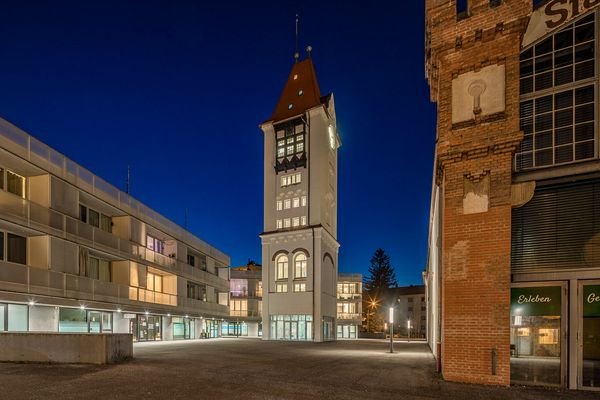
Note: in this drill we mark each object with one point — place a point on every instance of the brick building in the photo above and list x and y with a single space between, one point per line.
513 273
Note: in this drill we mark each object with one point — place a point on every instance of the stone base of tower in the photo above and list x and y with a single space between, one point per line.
299 306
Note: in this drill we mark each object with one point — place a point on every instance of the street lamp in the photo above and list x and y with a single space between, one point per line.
391 329
408 326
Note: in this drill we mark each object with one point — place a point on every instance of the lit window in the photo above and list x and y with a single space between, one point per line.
300 266
300 147
548 336
292 179
279 224
282 267
295 221
287 204
303 201
287 223
280 152
303 220
290 106
295 76
290 139
296 202
300 287
279 205
300 92
15 184
281 288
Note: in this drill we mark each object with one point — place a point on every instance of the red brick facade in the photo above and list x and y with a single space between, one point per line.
476 247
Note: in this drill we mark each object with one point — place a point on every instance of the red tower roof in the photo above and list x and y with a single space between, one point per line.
301 92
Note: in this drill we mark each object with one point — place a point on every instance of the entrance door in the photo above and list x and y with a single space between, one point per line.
94 321
294 331
589 336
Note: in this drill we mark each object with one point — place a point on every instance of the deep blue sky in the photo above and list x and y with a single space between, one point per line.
177 90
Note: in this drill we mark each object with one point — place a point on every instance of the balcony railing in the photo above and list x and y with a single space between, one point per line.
349 316
146 254
244 313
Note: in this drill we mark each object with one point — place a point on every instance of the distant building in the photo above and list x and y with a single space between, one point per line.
245 302
411 311
349 305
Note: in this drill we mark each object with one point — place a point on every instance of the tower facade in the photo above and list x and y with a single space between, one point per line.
299 241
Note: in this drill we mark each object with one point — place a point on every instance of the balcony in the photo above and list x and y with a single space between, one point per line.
146 254
244 313
349 316
349 296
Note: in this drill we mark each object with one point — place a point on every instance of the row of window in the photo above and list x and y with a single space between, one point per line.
290 139
292 179
291 203
95 218
12 182
283 287
196 291
198 260
300 266
291 222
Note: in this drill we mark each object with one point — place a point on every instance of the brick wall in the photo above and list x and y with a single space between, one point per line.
476 247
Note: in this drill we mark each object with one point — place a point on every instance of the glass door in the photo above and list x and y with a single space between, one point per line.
589 339
537 330
94 321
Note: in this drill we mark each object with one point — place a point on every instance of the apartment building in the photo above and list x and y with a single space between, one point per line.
349 305
245 315
513 277
79 255
410 312
299 241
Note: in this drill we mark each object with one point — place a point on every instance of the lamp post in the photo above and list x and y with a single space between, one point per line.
391 329
408 326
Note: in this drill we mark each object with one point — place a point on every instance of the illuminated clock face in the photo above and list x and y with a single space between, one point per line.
331 138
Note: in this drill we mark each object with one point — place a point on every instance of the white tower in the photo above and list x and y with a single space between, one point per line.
299 242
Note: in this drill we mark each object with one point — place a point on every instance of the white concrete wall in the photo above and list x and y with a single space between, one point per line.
65 347
120 324
252 329
43 319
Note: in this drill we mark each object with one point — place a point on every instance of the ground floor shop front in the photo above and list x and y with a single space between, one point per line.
555 333
32 317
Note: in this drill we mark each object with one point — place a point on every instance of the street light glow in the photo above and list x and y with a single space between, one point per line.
391 315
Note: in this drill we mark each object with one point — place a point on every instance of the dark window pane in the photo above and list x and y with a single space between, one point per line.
527 126
563 154
526 108
1 248
585 20
526 68
584 70
583 52
584 150
527 143
527 54
543 81
563 76
584 95
17 249
584 33
544 63
584 132
526 85
94 218
563 118
1 178
543 140
15 184
544 47
83 213
543 122
563 39
543 104
524 161
543 157
563 136
563 58
584 113
563 100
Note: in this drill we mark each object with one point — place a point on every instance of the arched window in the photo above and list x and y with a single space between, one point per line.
300 266
282 267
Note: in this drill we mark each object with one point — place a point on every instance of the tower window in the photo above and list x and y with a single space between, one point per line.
290 106
290 139
300 92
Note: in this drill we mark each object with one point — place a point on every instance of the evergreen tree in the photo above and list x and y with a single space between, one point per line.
381 273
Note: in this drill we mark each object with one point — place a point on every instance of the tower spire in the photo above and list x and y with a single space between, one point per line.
296 54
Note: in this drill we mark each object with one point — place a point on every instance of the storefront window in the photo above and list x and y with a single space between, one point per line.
591 336
291 327
72 320
18 317
536 335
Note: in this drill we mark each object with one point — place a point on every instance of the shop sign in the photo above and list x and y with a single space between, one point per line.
129 316
591 301
554 14
536 301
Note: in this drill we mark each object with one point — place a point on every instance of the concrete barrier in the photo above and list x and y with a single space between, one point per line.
79 348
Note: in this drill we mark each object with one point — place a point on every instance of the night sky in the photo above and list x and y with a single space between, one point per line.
177 89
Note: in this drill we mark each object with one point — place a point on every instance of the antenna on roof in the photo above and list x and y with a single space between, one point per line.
308 50
128 181
296 54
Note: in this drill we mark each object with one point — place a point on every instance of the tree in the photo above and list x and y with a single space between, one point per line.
381 277
381 273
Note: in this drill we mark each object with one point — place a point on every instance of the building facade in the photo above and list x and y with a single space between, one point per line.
245 303
410 312
299 242
349 305
78 255
513 277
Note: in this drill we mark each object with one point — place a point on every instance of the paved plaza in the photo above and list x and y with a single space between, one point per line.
252 369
